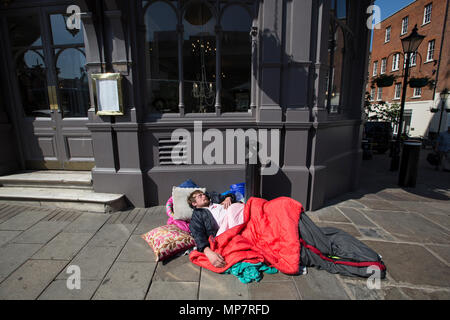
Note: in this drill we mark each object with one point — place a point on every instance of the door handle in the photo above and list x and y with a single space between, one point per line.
52 98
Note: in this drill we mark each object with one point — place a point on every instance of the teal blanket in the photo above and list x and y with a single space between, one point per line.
248 272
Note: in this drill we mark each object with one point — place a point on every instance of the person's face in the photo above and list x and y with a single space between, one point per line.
201 200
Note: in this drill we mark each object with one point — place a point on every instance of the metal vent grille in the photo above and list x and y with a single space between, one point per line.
166 146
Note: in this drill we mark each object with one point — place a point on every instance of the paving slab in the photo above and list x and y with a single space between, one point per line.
357 217
126 281
112 235
58 290
6 236
410 263
137 250
94 262
177 269
424 294
320 285
419 207
41 232
63 247
380 205
173 290
409 226
24 220
153 217
215 286
442 251
87 222
330 214
361 292
15 254
282 290
30 280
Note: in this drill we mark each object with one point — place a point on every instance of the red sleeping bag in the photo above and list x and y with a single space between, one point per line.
269 234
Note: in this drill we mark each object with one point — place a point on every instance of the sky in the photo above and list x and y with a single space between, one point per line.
388 7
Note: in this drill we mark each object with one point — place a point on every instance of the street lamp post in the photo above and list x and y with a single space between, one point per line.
444 95
410 45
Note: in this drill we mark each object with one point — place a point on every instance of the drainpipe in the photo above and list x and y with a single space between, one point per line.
440 50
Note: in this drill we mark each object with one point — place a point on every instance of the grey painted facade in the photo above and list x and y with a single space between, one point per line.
320 150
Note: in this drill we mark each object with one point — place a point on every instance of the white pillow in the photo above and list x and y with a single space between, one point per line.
181 209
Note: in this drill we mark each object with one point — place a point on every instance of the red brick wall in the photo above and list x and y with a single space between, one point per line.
432 31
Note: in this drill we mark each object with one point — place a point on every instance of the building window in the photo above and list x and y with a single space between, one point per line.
161 55
387 36
236 59
395 61
397 91
193 64
372 94
336 56
417 92
412 59
379 94
404 25
427 13
375 67
430 51
383 66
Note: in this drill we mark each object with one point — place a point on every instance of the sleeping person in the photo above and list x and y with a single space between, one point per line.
269 233
213 214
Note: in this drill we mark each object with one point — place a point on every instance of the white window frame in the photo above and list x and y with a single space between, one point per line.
404 29
395 62
413 59
430 50
427 13
375 68
397 91
417 92
379 93
372 94
387 35
383 66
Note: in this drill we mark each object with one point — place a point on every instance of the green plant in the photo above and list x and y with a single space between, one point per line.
418 82
384 80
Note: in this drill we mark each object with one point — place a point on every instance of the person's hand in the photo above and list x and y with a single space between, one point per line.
226 203
216 259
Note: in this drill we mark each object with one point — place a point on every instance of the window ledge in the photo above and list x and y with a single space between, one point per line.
395 99
424 24
416 97
428 61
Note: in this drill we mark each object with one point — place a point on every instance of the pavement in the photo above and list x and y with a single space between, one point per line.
43 249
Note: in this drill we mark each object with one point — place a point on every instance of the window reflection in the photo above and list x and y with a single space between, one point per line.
161 54
73 85
336 51
31 74
199 58
24 31
236 59
62 35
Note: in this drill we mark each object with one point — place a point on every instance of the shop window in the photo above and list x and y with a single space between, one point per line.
236 59
198 56
161 55
336 56
70 61
31 69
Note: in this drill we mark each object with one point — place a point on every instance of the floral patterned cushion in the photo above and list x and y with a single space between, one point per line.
168 240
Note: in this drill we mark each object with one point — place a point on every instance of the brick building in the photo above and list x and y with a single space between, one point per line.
432 60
